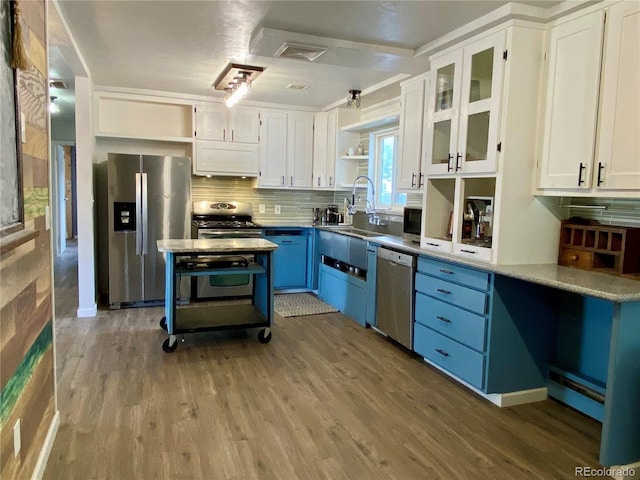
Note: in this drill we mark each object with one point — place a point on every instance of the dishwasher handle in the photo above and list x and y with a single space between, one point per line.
404 259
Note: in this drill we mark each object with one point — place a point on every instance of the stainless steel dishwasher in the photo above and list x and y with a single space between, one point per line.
394 305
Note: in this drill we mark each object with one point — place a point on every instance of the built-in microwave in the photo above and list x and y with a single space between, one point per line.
412 224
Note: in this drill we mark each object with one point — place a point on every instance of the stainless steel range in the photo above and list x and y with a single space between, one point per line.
223 220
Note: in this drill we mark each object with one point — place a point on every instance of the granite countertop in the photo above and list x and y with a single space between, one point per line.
583 282
222 245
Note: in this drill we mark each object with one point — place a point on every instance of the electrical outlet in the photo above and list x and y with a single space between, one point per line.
261 208
16 439
276 210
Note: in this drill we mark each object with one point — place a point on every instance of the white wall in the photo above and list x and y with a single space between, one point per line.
85 151
63 131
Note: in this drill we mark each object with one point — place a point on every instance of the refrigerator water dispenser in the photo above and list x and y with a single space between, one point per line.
124 216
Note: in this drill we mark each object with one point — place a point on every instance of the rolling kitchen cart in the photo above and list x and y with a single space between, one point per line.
184 258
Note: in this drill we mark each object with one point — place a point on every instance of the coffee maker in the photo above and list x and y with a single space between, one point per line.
332 215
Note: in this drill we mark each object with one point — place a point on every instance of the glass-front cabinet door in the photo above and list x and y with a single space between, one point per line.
441 126
462 116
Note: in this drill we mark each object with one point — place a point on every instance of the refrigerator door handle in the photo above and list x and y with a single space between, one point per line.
145 215
138 214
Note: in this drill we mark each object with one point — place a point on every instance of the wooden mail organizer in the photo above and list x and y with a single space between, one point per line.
604 248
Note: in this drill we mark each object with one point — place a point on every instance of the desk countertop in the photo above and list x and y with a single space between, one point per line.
222 245
607 287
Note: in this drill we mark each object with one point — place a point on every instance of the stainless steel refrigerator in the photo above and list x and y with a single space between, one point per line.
149 199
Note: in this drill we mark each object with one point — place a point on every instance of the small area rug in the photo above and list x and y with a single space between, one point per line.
299 304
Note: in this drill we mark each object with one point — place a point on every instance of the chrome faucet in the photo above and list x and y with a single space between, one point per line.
370 208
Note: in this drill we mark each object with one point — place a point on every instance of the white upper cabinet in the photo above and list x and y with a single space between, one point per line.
332 169
591 139
216 122
299 149
463 108
324 164
273 153
573 80
618 155
286 149
410 174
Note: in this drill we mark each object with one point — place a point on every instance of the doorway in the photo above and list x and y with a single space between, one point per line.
65 206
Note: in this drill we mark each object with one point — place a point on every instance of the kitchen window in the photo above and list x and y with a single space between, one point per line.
385 145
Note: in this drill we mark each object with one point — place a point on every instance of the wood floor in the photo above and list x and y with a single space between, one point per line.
326 399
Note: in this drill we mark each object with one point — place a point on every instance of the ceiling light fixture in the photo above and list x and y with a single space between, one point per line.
353 100
53 105
236 80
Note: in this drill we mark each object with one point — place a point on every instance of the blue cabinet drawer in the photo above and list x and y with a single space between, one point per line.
450 355
454 273
451 293
460 325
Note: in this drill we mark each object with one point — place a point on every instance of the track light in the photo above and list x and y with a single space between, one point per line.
236 81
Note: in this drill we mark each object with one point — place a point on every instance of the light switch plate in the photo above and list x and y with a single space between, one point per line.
276 210
261 208
17 444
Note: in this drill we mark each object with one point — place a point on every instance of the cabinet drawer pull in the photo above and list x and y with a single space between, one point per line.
467 251
433 244
330 181
286 241
283 180
446 292
458 162
292 180
224 134
582 167
449 167
232 135
413 180
444 319
448 272
318 181
442 352
421 181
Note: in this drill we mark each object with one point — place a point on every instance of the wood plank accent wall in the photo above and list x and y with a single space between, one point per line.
26 324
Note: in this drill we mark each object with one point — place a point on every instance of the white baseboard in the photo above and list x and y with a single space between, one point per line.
508 399
520 397
87 312
41 464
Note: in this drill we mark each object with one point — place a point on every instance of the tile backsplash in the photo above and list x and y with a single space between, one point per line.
618 211
296 205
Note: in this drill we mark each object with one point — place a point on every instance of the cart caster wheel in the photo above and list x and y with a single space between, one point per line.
167 347
264 337
163 323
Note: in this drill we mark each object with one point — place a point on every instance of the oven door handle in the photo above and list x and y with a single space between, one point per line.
230 234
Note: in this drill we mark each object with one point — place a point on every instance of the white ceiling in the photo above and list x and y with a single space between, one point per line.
182 46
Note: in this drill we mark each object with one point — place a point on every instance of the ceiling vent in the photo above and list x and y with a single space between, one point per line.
58 84
298 51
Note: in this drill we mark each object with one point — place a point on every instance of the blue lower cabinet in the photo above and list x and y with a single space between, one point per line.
372 275
458 324
461 361
458 295
289 261
344 292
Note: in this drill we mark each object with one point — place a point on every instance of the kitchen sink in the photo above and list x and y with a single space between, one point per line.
357 231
